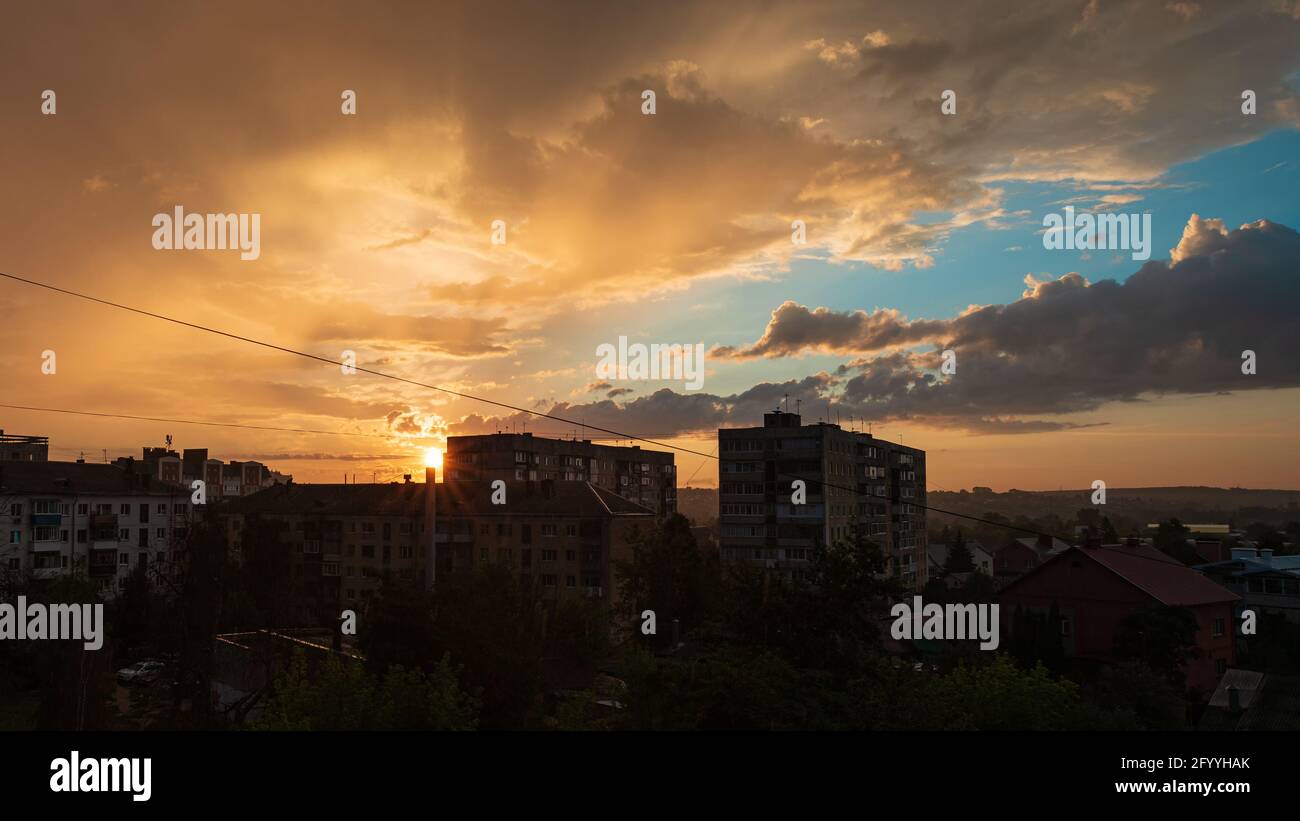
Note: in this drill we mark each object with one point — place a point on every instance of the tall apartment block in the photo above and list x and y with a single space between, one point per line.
645 477
856 484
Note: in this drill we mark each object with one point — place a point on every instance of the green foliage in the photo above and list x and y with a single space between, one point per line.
338 694
1163 637
668 574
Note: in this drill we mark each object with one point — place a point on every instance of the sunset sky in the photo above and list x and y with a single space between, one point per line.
924 230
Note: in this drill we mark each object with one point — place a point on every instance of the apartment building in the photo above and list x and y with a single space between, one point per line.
563 537
645 477
343 540
17 448
856 485
91 520
221 480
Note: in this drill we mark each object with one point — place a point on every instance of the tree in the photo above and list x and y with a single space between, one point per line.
667 574
960 559
338 694
1162 637
1171 539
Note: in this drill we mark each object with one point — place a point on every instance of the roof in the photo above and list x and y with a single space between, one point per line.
1058 545
554 497
1266 702
1164 579
937 552
83 478
406 499
453 498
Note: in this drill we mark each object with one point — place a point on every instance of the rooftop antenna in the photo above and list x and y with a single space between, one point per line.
798 406
787 403
105 451
169 440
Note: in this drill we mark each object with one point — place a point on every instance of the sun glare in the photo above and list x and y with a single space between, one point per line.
433 458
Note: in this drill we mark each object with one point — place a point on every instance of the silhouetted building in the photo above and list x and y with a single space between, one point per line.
341 541
646 477
857 485
18 448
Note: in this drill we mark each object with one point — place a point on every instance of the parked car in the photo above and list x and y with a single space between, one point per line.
141 672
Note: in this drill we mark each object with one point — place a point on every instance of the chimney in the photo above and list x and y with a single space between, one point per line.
430 523
406 478
1266 555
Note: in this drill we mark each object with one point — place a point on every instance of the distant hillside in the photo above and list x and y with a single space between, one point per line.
1142 505
700 505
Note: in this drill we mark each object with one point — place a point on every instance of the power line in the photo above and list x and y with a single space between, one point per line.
329 361
459 394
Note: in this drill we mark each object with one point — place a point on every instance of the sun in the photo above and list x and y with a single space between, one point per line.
433 458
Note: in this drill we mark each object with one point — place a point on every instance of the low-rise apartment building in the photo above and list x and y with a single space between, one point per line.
342 541
91 520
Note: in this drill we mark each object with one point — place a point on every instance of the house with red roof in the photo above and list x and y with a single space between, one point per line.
1095 588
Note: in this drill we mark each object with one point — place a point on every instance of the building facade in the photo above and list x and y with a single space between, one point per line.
857 486
94 521
1095 588
342 541
645 477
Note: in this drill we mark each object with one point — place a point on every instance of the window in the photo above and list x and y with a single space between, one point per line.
1218 627
368 550
15 537
388 530
352 593
81 537
178 509
350 571
124 534
1220 666
83 509
124 558
548 579
404 551
549 555
125 509
404 528
548 530
367 527
570 555
160 532
47 533
15 509
571 530
351 550
388 554
503 530
570 581
1065 625
483 554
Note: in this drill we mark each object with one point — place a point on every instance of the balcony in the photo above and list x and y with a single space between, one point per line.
105 520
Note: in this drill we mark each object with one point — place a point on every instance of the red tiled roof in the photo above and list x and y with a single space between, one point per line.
1165 579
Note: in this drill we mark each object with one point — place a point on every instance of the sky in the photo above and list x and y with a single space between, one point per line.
923 231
